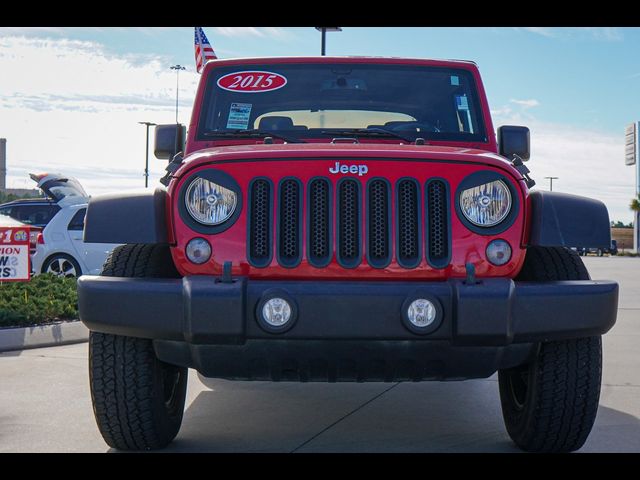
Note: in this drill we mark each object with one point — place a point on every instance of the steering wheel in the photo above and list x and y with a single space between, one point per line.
414 126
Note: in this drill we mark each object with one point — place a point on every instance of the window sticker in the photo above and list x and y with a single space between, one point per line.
455 80
252 82
239 114
461 102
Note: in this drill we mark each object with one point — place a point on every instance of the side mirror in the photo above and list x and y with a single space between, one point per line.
514 140
169 140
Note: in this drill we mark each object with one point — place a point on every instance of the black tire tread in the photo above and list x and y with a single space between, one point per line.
123 370
563 399
547 264
140 260
566 397
121 376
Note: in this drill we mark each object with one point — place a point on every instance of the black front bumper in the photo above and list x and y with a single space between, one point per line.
345 330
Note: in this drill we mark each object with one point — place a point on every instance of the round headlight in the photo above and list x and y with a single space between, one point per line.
209 203
486 205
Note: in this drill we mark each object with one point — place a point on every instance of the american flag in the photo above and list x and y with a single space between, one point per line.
204 52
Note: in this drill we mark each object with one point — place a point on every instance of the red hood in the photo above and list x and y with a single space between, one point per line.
345 151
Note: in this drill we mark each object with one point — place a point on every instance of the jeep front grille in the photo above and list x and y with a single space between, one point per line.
403 214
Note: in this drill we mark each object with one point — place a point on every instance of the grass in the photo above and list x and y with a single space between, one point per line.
44 299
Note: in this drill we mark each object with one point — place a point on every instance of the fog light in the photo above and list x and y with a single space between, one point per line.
421 313
198 250
498 252
276 312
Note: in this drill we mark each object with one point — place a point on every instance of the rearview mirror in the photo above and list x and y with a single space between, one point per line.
169 140
514 140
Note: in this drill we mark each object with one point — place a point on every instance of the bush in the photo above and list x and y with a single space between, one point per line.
44 299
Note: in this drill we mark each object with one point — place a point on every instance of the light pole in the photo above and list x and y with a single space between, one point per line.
146 159
177 68
324 31
551 179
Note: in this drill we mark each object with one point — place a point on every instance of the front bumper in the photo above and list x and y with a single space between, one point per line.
352 327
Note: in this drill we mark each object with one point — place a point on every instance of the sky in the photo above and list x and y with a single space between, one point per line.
71 98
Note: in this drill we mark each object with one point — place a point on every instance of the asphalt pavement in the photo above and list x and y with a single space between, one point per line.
45 404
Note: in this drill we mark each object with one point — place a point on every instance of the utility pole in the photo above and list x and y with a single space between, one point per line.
324 30
551 179
146 159
177 68
631 152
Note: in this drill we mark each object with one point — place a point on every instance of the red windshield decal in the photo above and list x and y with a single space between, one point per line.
252 82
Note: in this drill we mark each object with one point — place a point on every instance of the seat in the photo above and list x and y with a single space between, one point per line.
275 123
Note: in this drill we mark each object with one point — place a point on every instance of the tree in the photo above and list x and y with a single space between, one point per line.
635 204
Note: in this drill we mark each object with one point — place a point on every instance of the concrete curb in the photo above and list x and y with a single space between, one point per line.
61 333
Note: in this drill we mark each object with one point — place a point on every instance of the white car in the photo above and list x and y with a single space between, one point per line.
59 248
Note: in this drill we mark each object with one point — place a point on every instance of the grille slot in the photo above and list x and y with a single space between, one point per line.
349 224
260 222
289 223
408 249
438 241
319 246
378 223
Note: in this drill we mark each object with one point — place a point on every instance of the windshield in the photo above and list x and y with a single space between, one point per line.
309 100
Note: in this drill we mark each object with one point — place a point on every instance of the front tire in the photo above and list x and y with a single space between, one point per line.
138 400
550 403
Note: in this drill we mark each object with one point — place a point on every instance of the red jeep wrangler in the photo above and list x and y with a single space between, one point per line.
346 220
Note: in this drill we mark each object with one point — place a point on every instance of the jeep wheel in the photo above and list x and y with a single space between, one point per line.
138 401
600 253
550 404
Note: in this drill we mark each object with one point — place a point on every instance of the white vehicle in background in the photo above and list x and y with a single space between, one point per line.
60 249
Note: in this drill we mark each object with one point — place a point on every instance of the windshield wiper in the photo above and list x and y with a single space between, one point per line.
369 132
252 133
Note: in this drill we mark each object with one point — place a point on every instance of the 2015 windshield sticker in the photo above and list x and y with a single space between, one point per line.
239 114
252 82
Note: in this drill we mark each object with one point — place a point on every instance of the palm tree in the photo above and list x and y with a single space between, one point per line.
635 204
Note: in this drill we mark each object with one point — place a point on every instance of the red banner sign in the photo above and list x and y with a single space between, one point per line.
14 254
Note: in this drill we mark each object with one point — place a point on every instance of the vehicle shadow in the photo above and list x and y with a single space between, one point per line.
407 417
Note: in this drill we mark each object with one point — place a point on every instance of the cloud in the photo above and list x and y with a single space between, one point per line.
85 73
261 32
607 34
588 162
526 103
68 105
544 31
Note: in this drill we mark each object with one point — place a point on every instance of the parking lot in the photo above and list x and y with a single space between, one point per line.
45 403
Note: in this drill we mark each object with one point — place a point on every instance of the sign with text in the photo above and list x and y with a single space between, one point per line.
631 144
14 254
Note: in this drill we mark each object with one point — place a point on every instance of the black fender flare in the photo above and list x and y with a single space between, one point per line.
564 220
137 217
